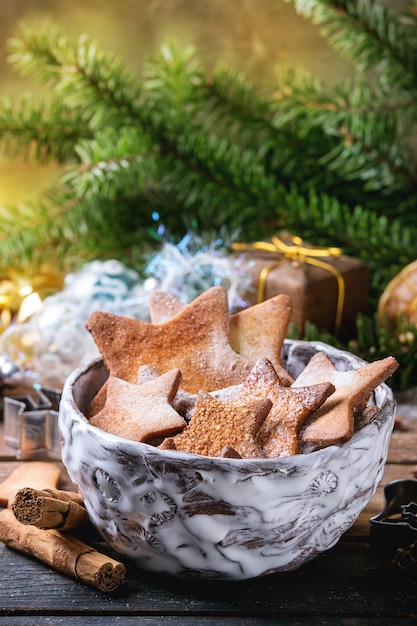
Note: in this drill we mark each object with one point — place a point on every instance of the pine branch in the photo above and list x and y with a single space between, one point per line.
348 133
114 162
44 128
28 227
384 243
72 229
176 146
376 115
250 117
368 33
235 106
367 130
162 153
81 73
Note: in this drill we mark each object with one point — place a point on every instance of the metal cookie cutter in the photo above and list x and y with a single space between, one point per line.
396 526
31 423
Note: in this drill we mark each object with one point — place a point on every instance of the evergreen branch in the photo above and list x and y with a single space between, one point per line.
217 154
384 243
368 33
113 163
39 56
370 133
71 230
230 110
249 118
174 73
193 156
47 129
172 99
236 105
188 163
301 95
81 73
30 237
217 184
348 133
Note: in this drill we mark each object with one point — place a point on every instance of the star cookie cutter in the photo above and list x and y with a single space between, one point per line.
396 525
31 423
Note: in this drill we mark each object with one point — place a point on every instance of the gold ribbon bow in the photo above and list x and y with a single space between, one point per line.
21 295
300 253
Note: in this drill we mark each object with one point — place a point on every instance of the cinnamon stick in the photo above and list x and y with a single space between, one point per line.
36 474
49 508
62 552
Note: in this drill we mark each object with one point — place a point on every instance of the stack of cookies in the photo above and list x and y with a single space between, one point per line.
199 380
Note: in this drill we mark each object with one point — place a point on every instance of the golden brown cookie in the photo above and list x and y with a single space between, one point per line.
333 422
260 330
255 332
141 412
163 306
184 402
216 425
291 407
196 341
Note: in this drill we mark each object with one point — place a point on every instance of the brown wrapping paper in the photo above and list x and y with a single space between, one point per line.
314 290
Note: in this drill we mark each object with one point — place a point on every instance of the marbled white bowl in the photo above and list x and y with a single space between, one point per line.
196 516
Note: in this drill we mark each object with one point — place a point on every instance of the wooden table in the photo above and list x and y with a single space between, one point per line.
347 585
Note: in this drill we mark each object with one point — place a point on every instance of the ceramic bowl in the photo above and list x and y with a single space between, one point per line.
190 515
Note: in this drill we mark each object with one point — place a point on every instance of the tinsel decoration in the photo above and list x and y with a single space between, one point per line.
53 342
192 266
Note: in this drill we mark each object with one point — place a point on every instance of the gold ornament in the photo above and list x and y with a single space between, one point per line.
399 299
21 295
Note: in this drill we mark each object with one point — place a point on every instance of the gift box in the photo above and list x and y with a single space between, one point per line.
327 287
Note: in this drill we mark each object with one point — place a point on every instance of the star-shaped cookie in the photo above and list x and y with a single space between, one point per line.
218 426
260 330
333 422
163 306
184 402
142 412
291 407
255 332
196 341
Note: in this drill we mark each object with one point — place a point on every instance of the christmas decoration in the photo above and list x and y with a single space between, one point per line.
21 295
50 344
208 150
326 287
53 341
192 266
399 298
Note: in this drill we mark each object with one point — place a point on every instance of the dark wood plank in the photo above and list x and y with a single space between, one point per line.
110 620
346 581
